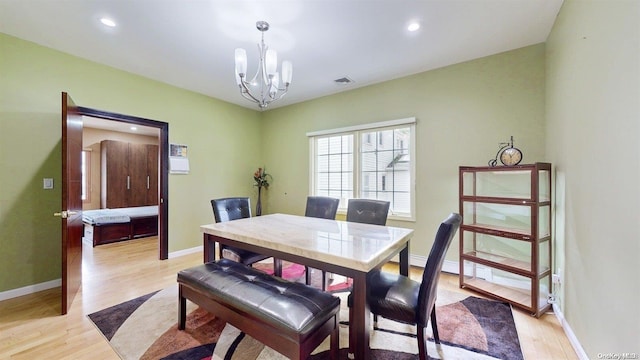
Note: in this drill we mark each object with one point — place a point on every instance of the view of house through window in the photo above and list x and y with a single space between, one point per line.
372 161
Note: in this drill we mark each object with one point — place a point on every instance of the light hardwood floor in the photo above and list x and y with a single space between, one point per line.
31 327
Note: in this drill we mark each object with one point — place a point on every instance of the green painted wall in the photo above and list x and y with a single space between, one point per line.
593 128
224 150
463 112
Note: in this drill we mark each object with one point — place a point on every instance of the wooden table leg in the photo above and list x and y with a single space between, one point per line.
361 318
404 260
209 245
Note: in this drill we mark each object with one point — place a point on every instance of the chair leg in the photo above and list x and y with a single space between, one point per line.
324 280
307 278
434 326
422 348
307 275
277 267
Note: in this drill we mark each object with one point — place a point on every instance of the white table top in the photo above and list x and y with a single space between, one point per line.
352 245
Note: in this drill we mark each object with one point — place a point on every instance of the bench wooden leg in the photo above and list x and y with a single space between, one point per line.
182 309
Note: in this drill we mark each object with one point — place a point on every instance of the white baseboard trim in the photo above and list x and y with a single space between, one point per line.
197 249
448 266
14 293
451 267
414 260
577 347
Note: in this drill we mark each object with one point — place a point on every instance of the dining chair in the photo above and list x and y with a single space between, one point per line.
322 207
233 208
368 211
398 298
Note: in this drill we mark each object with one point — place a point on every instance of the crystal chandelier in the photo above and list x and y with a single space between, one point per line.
264 87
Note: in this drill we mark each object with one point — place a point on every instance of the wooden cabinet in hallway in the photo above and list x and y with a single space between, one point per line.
129 174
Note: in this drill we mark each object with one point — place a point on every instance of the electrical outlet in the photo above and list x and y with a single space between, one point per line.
47 183
551 299
561 275
558 277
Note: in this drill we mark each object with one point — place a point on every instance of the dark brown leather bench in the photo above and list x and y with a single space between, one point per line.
291 318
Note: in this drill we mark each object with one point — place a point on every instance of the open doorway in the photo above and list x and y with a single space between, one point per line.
113 127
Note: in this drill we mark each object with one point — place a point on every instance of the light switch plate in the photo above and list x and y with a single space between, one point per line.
47 183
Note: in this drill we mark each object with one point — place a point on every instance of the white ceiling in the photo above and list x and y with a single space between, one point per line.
190 43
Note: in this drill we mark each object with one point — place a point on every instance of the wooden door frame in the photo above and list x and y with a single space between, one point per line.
163 181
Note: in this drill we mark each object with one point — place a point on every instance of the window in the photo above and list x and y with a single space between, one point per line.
346 163
334 171
85 168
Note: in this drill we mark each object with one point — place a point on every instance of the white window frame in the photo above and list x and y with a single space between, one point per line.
356 131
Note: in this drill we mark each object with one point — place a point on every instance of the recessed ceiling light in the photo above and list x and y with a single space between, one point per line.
133 128
414 26
108 22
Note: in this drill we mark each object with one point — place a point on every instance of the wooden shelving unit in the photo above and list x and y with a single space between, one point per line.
505 237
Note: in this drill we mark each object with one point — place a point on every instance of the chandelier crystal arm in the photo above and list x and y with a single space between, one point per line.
264 87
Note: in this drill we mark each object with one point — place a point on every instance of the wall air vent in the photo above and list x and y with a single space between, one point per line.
343 81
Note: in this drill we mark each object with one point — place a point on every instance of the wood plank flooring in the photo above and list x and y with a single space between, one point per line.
31 327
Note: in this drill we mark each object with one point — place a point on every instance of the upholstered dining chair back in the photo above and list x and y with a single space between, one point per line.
322 207
431 274
368 211
232 208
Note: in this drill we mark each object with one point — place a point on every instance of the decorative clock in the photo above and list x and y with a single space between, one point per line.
508 155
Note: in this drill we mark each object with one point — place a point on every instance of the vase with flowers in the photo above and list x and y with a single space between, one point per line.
262 180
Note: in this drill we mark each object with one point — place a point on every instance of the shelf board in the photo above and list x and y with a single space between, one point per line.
515 201
500 231
522 266
518 296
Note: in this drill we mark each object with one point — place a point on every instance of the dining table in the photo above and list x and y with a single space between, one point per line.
346 248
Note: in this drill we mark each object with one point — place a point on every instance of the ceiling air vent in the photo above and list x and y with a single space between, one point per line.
343 81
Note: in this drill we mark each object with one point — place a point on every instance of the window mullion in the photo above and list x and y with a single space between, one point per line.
356 164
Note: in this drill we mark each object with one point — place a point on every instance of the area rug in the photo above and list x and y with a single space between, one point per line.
146 328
